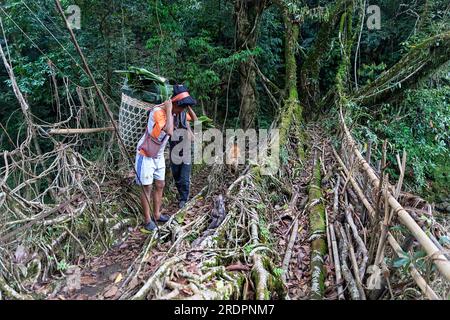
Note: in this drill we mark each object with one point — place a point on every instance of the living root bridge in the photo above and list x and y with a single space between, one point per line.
222 257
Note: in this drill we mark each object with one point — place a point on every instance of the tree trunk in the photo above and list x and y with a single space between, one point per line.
291 115
310 72
247 15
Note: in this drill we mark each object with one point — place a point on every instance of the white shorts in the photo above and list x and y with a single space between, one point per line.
149 169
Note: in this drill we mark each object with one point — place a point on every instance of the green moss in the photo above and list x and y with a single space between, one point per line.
180 217
317 219
318 228
194 235
255 277
316 212
256 174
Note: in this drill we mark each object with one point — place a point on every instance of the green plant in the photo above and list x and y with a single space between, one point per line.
62 265
420 126
278 272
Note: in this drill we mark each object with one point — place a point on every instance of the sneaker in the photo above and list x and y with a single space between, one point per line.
181 204
163 218
149 227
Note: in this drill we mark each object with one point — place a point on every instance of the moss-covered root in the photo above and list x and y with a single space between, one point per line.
10 292
266 280
260 278
317 229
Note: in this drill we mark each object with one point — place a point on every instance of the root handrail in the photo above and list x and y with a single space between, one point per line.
430 248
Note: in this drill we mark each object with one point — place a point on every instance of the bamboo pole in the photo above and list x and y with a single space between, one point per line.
356 186
80 131
354 262
420 281
430 248
337 263
334 247
351 283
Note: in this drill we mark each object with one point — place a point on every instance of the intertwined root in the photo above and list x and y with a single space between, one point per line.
222 260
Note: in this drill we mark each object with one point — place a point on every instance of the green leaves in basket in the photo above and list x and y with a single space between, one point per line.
134 73
146 85
206 122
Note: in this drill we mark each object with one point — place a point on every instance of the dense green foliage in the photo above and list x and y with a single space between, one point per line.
194 42
420 125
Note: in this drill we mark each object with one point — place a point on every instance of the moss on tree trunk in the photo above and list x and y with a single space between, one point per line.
291 114
247 15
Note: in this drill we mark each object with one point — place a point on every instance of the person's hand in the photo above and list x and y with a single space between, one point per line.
168 105
192 114
191 136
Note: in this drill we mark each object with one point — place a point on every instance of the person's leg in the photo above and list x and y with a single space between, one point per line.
176 173
145 199
159 177
185 181
144 179
179 181
157 197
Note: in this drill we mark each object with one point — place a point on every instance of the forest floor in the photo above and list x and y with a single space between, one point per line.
101 277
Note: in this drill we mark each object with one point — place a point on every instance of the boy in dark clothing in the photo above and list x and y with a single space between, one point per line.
182 139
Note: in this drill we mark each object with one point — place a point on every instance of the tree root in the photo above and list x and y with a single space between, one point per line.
317 230
161 273
10 292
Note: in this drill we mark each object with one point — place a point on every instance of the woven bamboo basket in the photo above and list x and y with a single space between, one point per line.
132 120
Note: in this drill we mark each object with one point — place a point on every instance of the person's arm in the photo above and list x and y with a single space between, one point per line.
169 117
192 114
190 133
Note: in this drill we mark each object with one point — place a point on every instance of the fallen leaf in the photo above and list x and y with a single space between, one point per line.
111 292
133 283
87 280
118 278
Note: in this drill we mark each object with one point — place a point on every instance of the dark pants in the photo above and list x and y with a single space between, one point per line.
181 174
